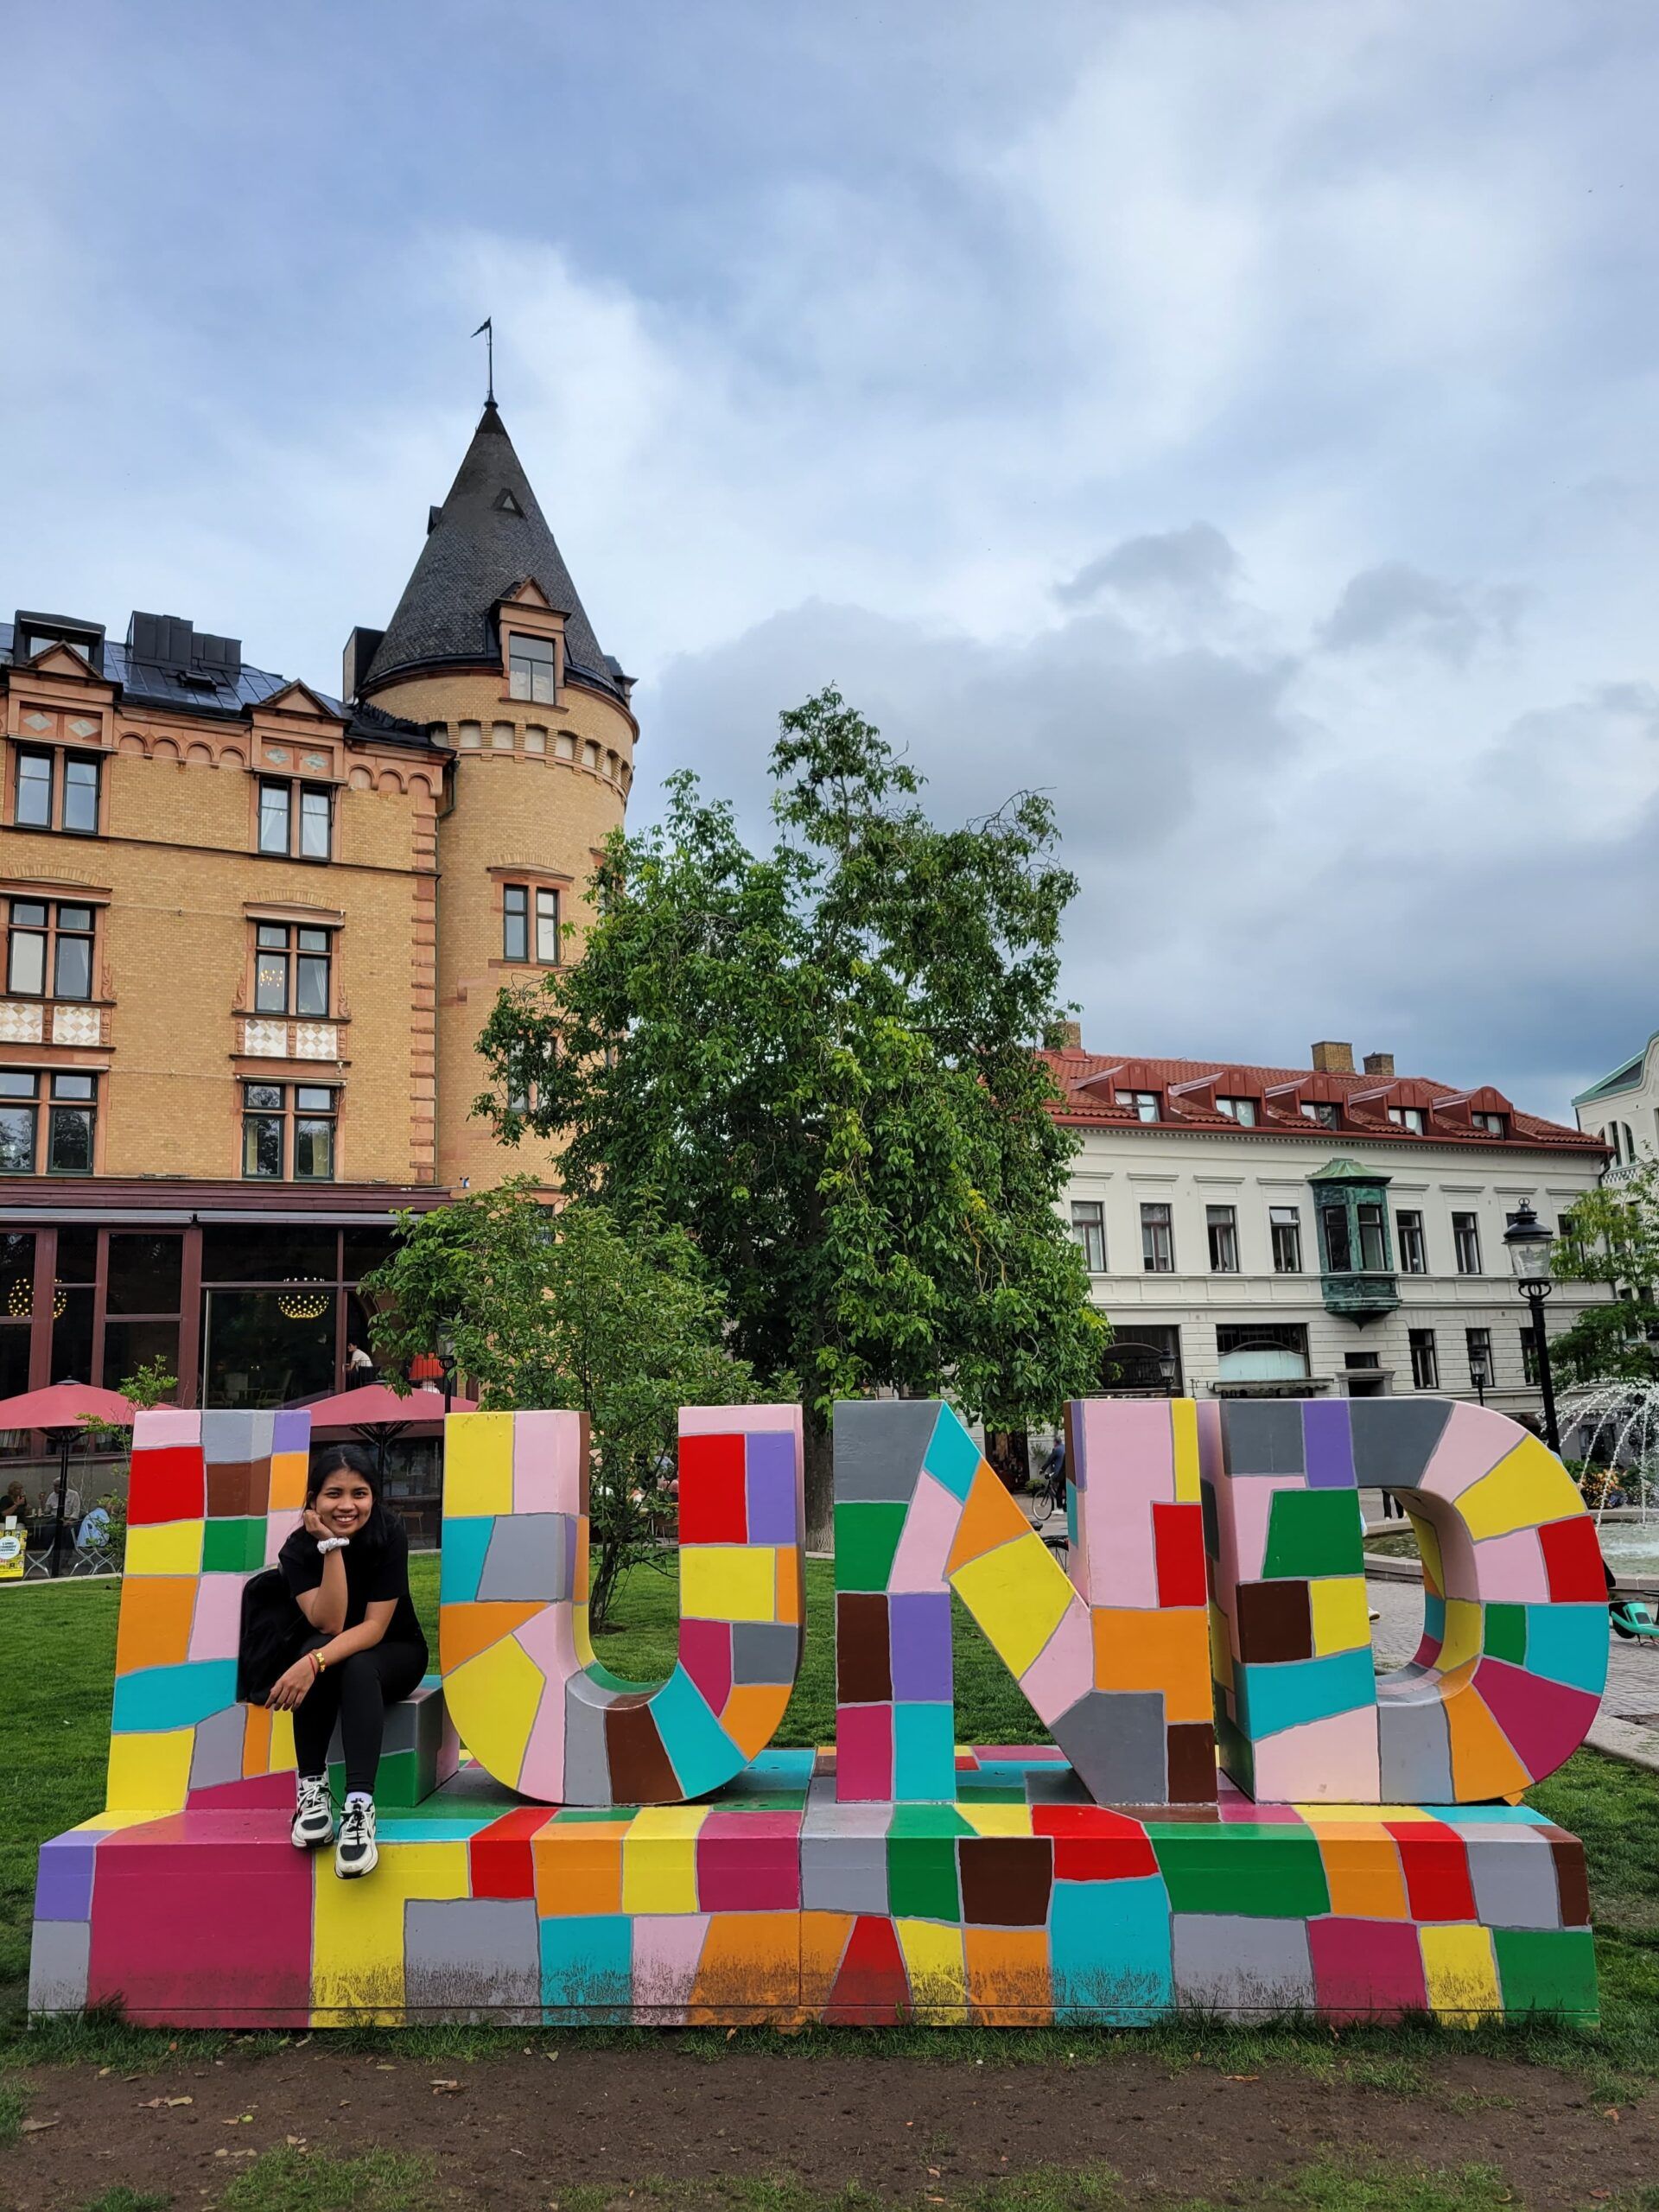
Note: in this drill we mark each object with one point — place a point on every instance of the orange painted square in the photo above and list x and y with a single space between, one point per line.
579 1868
1166 1650
154 1625
1009 1983
1365 1878
823 1942
1484 1763
256 1739
789 1584
751 1967
580 1590
287 1481
751 1712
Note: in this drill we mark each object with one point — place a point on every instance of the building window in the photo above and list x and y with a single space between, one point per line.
532 668
1496 1125
1529 1358
1338 1245
70 1111
1477 1344
517 910
1408 1117
1157 1241
288 1132
1242 1110
1326 1111
1466 1243
1222 1224
1089 1233
1285 1225
1142 1103
1261 1352
547 927
57 790
49 950
1148 1362
1413 1255
296 820
1425 1362
1373 1237
291 970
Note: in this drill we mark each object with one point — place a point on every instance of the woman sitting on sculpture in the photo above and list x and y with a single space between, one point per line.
330 1635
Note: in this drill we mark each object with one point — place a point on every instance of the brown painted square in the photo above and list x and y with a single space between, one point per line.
1005 1879
238 1487
641 1771
1192 1762
1274 1622
863 1659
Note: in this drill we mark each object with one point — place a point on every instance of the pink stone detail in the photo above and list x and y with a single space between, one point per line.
216 1623
1063 1669
925 1541
158 1425
1243 1504
1511 1571
667 1952
1335 1761
726 1420
547 1463
1472 1444
279 1526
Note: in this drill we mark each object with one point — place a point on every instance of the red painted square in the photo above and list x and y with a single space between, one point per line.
1094 1843
706 1655
1436 1863
202 1921
499 1860
169 1482
1572 1561
1177 1539
714 1508
1366 1970
749 1873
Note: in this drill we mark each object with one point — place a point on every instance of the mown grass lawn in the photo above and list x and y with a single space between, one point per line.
57 1656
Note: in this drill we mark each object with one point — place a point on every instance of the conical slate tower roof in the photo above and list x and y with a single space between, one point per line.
488 535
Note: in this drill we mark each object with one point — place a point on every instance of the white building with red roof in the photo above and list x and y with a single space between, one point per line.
1300 1231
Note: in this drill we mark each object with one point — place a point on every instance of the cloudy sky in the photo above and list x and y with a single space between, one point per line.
1238 417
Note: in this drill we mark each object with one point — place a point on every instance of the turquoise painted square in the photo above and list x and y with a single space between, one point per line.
157 1697
460 1561
923 1750
1283 1696
586 1963
1110 1945
704 1755
952 1458
1568 1644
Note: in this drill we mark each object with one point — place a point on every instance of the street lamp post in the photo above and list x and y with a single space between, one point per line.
1478 1374
1529 1248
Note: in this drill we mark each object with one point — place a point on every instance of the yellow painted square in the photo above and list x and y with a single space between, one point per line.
1183 1435
937 1971
477 1464
1017 1593
996 1820
492 1699
356 1928
729 1582
1341 1618
659 1858
151 1770
1528 1486
1464 1619
1428 1544
1461 1974
164 1547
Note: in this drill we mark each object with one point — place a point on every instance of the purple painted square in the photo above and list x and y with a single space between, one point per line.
63 1887
769 1459
919 1645
291 1432
1328 1444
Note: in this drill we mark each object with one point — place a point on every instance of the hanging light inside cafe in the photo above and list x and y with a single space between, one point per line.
302 1302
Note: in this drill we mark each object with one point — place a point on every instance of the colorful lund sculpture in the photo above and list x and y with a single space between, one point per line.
607 1850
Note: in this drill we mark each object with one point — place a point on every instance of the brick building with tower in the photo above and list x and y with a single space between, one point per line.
253 931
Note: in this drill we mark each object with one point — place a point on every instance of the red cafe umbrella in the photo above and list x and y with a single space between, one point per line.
378 1414
64 1410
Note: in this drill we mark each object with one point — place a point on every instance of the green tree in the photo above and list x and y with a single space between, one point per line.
820 1062
546 1309
1611 1235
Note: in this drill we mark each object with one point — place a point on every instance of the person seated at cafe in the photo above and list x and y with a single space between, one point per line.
15 1503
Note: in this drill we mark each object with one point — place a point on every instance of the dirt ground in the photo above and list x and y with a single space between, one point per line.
510 2131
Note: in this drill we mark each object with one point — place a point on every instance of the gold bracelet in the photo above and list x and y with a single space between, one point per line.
323 1664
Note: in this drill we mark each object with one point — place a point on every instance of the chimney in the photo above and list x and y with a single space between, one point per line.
1331 1058
1064 1037
360 649
1380 1064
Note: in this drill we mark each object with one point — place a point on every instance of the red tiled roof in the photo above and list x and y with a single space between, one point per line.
1364 1100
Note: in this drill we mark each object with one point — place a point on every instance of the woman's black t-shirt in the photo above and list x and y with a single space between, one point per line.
373 1574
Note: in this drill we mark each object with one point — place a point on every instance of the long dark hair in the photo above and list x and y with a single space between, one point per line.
354 1460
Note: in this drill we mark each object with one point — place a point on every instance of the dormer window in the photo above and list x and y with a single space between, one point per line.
1324 1111
1143 1104
532 668
1496 1125
505 503
1242 1110
1409 1117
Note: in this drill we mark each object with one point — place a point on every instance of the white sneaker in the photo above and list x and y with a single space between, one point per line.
314 1816
356 1854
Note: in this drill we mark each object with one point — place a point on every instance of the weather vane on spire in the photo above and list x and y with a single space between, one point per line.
487 329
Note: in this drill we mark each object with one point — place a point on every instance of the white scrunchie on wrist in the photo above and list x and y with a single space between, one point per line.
326 1544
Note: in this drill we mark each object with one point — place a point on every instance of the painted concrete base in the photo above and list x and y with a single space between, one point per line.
1019 1903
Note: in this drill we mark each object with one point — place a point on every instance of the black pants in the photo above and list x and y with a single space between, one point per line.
356 1692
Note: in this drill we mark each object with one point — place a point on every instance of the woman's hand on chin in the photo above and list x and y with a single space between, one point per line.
312 1525
291 1688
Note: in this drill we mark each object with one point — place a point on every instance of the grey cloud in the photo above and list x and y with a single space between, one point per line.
1395 603
1197 561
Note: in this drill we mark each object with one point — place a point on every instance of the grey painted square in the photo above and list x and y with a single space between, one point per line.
474 1959
1229 1962
1514 1878
843 1873
229 1438
217 1756
879 1445
764 1651
1415 1744
587 1765
1262 1436
528 1557
825 1816
57 1966
1055 1785
1395 1438
1115 1740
